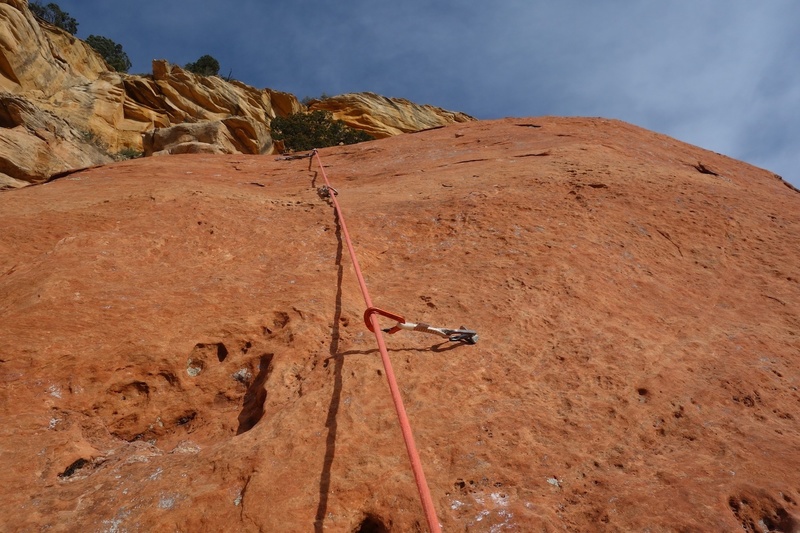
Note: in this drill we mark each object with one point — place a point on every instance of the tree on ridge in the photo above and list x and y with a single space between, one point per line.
53 14
205 66
112 52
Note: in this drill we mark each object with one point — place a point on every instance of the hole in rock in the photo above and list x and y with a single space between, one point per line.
761 512
254 398
222 352
136 390
537 154
169 377
11 115
280 320
704 169
185 419
371 524
74 467
201 355
194 367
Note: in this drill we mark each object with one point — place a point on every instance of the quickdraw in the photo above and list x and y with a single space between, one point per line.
467 336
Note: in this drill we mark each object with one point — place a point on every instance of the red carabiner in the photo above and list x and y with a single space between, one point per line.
374 310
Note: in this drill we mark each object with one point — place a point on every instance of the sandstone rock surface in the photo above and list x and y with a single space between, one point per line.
35 143
382 117
96 115
183 346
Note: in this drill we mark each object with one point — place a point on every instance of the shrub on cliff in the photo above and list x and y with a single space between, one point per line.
316 129
205 66
52 13
112 52
308 100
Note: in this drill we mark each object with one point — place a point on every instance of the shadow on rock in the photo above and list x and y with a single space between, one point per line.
254 398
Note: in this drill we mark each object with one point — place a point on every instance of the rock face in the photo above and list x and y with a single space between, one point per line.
34 143
183 346
78 112
43 69
384 117
92 114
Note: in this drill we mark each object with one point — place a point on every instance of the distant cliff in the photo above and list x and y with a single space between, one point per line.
62 107
383 117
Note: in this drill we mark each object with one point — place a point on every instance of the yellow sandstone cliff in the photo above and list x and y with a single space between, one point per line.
384 117
62 107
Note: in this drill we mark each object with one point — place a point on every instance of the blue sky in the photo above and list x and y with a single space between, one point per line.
720 74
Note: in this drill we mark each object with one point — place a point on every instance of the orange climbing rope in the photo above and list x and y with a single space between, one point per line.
372 323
